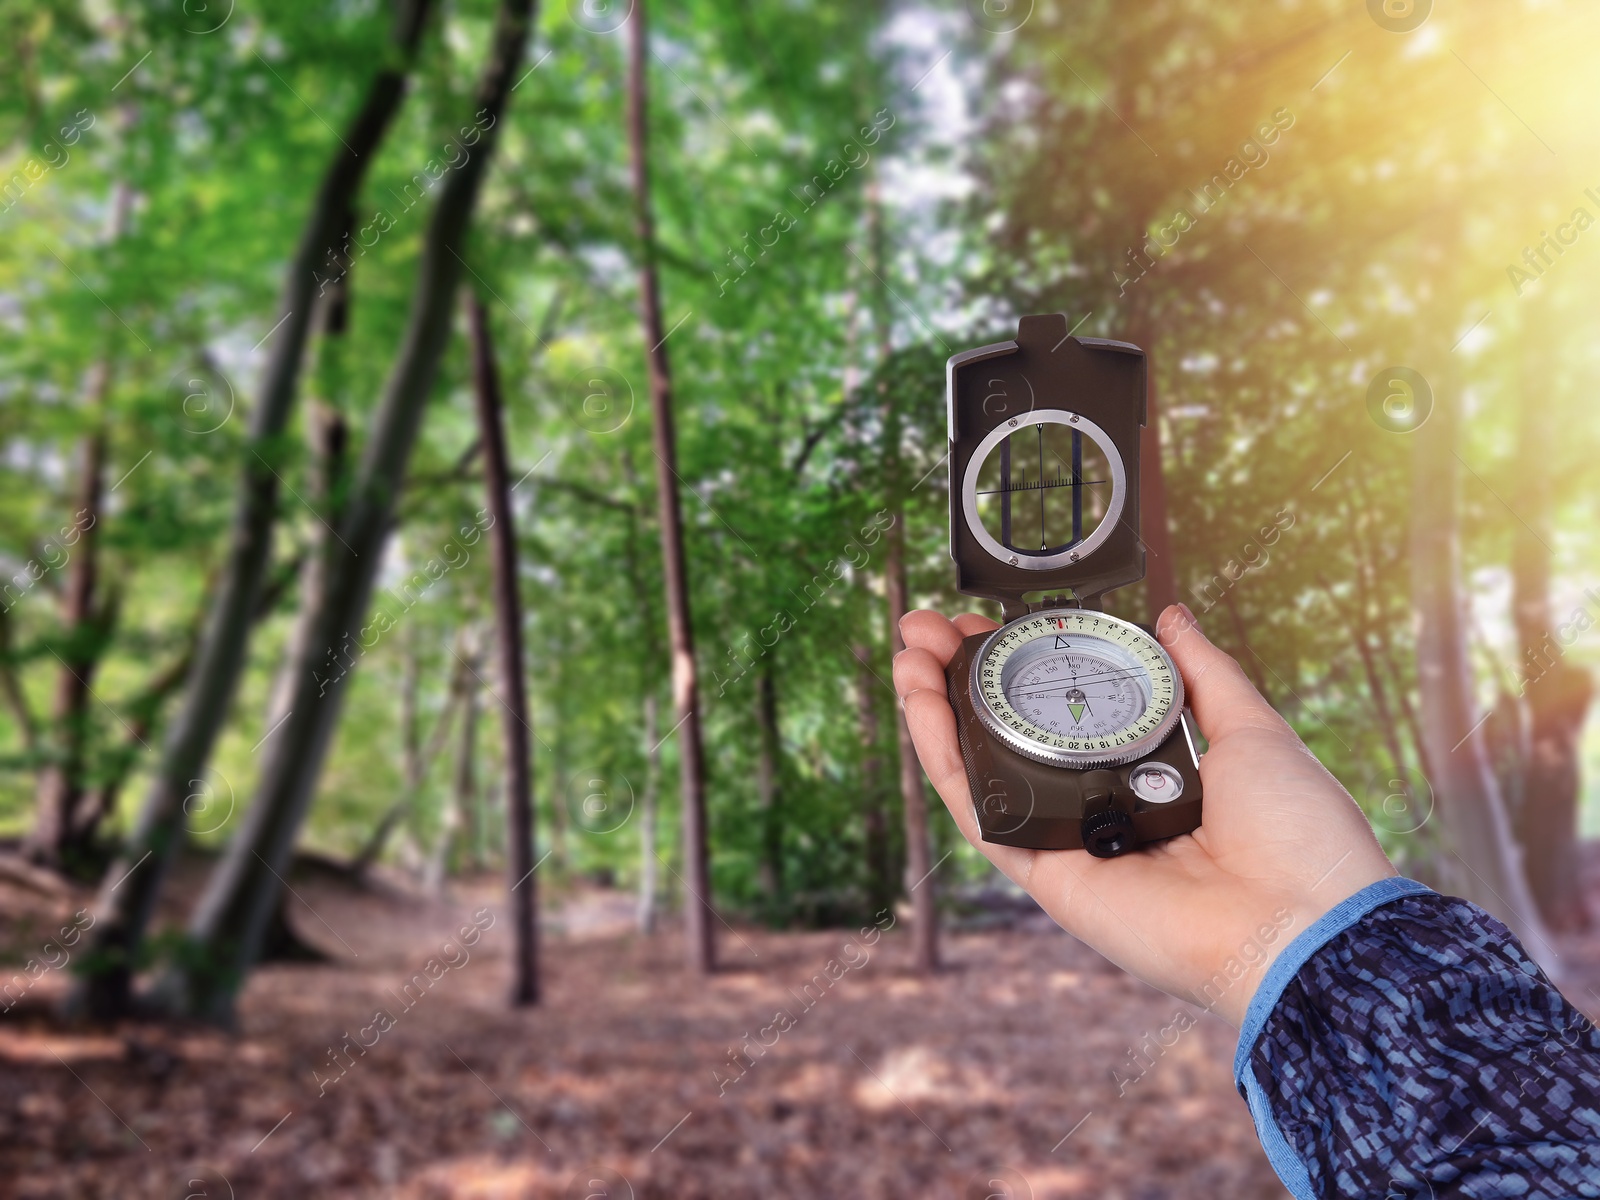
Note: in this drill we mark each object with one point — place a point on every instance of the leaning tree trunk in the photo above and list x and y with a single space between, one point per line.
697 909
516 721
1482 857
1556 694
225 930
128 895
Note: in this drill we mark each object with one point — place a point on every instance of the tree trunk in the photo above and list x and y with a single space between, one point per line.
913 798
61 779
874 818
924 914
327 433
1555 693
458 809
647 814
225 929
416 758
560 784
1478 835
128 894
16 699
515 718
100 803
697 909
63 834
1160 571
768 791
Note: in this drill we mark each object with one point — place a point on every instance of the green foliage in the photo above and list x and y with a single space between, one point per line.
807 368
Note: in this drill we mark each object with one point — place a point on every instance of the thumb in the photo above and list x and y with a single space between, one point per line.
1216 687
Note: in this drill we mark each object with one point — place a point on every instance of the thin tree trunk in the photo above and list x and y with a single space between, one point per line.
416 759
128 895
1555 693
61 835
1356 623
647 814
100 803
61 780
1160 571
515 718
697 909
560 785
1367 593
16 700
913 797
768 791
924 913
874 818
410 727
457 814
1478 833
225 929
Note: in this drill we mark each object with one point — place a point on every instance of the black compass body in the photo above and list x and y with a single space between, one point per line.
1072 722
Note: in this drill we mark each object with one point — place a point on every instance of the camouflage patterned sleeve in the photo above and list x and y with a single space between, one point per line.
1406 1046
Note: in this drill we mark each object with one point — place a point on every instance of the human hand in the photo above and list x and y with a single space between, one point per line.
1202 915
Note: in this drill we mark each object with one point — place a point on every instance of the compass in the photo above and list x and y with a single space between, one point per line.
1074 688
1072 721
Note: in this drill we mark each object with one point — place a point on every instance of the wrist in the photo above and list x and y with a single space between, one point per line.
1249 1006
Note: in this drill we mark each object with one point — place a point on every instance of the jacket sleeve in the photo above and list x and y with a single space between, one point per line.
1406 1046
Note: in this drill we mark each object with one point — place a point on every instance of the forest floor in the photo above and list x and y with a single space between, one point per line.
1017 1063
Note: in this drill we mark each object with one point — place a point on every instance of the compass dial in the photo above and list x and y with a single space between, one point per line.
1076 688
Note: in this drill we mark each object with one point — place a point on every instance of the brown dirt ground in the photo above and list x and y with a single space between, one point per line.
887 1086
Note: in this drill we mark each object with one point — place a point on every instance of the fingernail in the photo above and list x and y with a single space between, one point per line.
1189 616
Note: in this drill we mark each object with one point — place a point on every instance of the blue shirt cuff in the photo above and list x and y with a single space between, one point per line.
1284 968
1295 955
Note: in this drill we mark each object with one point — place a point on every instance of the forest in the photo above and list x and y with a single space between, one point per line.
465 463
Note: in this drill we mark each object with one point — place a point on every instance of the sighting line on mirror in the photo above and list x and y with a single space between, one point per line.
1058 481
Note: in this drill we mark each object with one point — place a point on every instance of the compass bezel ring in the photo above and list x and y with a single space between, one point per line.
1071 554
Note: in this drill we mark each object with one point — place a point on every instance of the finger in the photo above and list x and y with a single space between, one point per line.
1216 687
933 732
916 668
932 632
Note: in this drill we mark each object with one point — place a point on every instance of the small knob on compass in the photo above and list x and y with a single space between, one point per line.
1108 833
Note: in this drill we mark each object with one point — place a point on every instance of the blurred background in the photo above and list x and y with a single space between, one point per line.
463 464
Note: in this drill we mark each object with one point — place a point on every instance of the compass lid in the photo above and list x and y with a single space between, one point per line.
1044 465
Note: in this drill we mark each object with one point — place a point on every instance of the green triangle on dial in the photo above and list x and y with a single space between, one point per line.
1077 712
